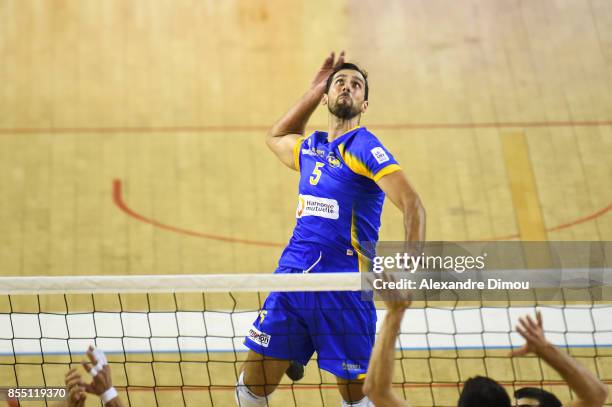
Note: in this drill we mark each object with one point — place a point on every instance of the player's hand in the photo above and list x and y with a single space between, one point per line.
102 378
398 300
399 305
320 79
533 332
76 389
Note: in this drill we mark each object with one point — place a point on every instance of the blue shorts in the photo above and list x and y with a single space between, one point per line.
338 325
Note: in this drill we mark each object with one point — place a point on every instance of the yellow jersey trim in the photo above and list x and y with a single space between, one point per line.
296 152
354 163
386 171
362 260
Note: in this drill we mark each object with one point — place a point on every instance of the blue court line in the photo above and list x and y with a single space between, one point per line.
204 351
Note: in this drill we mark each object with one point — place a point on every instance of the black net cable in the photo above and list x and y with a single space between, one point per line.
201 366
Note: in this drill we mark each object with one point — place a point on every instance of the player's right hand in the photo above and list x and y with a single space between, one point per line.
533 332
398 305
102 380
76 389
399 300
320 79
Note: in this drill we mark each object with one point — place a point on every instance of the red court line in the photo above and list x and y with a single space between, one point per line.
562 226
333 386
118 199
581 220
263 128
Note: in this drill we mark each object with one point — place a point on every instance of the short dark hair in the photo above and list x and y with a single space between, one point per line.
351 66
545 398
481 391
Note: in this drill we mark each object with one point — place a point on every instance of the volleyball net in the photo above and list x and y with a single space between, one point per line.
178 340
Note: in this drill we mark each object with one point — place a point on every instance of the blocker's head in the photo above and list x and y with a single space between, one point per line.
535 397
481 391
347 91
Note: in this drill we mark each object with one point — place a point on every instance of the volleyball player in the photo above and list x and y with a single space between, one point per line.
101 384
345 174
535 397
481 391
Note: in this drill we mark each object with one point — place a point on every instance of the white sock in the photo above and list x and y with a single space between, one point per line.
364 402
245 397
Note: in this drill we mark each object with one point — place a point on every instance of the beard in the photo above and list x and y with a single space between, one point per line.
344 111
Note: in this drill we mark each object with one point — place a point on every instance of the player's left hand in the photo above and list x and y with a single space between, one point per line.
320 79
102 374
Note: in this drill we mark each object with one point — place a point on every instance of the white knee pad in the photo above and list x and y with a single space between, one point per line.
364 402
246 398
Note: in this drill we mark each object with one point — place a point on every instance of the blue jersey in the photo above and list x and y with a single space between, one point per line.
339 202
339 206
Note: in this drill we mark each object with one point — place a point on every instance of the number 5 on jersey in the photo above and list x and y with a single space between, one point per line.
316 174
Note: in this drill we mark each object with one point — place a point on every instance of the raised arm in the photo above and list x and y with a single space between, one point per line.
590 391
290 127
379 379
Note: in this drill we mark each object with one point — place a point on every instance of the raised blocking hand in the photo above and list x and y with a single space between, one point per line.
99 370
533 332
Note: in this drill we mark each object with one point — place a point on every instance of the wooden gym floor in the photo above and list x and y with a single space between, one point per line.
131 133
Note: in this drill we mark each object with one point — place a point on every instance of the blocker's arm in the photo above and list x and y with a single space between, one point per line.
590 391
379 379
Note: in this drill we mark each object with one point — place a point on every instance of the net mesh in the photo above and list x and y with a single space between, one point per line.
187 348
